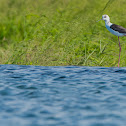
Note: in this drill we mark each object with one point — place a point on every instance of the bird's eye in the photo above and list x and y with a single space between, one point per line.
105 16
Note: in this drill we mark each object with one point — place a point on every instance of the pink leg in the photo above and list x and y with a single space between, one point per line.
119 51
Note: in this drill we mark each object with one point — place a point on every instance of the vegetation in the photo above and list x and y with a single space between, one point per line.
60 32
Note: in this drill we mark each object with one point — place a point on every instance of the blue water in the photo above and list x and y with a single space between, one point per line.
62 96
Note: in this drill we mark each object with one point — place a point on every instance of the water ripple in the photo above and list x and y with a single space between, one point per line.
62 96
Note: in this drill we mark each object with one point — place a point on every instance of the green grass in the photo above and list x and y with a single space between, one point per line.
60 32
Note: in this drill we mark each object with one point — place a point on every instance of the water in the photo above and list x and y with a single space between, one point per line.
62 96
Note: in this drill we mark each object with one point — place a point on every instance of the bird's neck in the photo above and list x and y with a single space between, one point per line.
108 23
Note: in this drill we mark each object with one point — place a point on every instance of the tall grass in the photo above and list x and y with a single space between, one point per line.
60 32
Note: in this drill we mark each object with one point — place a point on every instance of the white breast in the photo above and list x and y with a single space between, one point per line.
112 31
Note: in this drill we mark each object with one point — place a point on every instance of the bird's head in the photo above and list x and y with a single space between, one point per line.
105 18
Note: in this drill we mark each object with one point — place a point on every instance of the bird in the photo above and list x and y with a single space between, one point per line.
115 30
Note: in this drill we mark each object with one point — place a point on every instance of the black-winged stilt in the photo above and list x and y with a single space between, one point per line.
114 29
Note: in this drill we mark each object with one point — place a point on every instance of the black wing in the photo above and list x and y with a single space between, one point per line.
118 28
